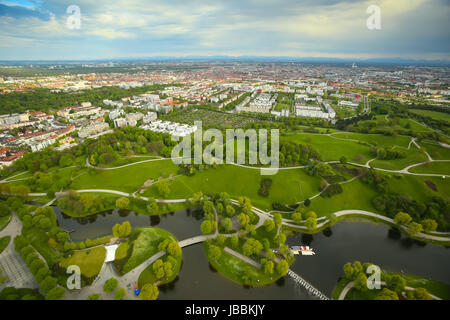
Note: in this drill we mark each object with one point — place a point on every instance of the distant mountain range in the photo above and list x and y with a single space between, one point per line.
283 59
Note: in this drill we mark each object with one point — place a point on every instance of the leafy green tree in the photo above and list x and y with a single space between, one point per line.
282 267
48 284
277 219
20 242
122 230
343 160
119 294
122 202
206 227
297 217
215 252
149 292
396 283
418 294
414 228
152 206
94 296
361 281
386 294
269 225
110 285
243 219
226 224
174 249
311 224
402 218
234 241
230 210
429 225
55 294
268 267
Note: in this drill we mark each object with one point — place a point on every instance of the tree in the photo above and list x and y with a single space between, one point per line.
214 252
414 228
230 210
48 284
219 208
174 249
110 285
119 294
152 206
55 294
268 267
269 225
402 218
429 225
311 224
244 219
251 246
418 294
277 219
42 274
206 227
226 224
386 294
297 217
234 241
94 296
343 160
20 242
163 188
282 267
396 283
123 230
361 281
122 202
149 292
4 209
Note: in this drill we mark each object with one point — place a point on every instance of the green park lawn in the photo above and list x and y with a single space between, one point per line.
355 195
413 156
433 114
376 139
415 187
433 167
288 186
4 221
436 151
4 241
127 179
142 244
234 269
90 261
332 149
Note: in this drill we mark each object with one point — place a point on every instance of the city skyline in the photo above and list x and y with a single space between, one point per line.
36 30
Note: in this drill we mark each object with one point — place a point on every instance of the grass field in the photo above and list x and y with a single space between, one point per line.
415 187
433 167
127 179
90 261
332 149
288 186
433 114
4 241
143 244
376 139
355 195
436 151
413 156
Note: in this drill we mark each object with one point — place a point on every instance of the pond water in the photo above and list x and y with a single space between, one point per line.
344 242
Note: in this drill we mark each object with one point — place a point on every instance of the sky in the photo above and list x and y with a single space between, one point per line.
410 29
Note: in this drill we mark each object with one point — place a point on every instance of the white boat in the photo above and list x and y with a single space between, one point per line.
304 250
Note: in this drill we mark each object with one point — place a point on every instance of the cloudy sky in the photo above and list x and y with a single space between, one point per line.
37 29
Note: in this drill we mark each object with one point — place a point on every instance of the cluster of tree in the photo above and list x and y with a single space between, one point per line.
50 182
83 204
414 228
332 190
264 188
20 191
251 246
110 285
164 269
320 169
387 153
88 243
41 99
172 248
295 154
149 292
38 269
122 230
12 293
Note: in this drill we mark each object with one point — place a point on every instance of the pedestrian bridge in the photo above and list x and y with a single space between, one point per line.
309 287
